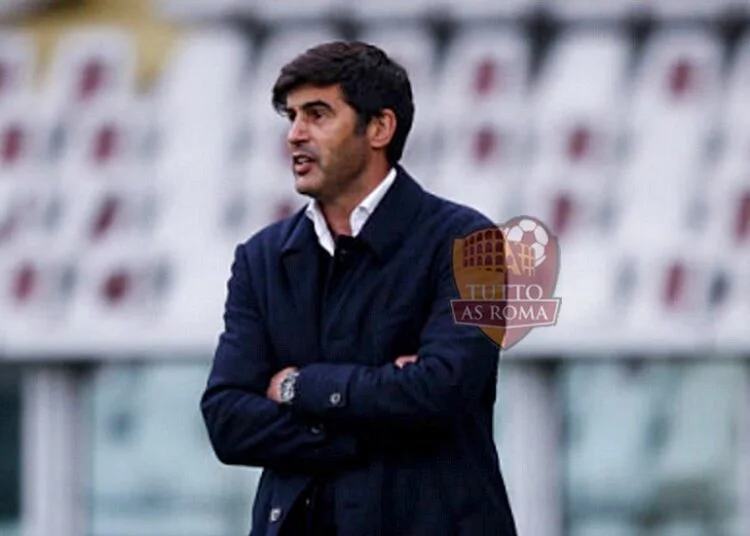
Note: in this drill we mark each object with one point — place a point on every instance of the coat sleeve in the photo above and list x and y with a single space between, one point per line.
244 426
455 364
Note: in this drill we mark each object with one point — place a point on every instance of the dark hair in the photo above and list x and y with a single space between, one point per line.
370 82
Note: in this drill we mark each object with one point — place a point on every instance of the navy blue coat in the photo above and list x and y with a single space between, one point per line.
411 449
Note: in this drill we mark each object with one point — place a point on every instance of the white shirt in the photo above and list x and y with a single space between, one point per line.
358 216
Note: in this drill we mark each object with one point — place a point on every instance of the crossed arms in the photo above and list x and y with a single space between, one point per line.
247 426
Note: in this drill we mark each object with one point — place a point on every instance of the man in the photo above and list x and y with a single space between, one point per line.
340 370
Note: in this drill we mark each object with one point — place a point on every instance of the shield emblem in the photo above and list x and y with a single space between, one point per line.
506 277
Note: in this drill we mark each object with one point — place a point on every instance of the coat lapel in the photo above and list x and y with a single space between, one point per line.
299 257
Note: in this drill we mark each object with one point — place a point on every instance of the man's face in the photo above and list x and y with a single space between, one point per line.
327 153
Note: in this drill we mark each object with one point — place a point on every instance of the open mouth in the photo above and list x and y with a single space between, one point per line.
302 163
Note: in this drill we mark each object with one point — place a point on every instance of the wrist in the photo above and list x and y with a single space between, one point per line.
287 387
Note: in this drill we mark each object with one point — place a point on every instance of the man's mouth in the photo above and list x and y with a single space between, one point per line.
302 163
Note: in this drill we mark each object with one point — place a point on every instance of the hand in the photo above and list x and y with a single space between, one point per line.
404 359
274 387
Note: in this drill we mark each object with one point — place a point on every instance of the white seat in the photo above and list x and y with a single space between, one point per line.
730 315
669 305
679 78
22 140
391 10
572 205
88 65
734 115
290 10
104 141
125 285
578 125
197 93
485 72
674 113
576 10
477 10
18 58
195 108
687 9
36 290
727 210
33 215
480 163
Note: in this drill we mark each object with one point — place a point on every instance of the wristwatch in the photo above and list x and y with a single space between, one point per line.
286 387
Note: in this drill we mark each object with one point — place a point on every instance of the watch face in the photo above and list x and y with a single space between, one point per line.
287 389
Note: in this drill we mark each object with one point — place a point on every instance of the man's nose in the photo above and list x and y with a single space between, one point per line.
297 133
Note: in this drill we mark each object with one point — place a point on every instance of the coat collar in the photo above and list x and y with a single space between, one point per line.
383 232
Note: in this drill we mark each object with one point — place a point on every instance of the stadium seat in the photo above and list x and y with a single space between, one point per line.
573 205
483 139
729 317
36 289
290 10
669 305
577 10
103 141
481 10
734 112
577 126
687 9
480 164
200 86
576 131
485 72
18 61
391 10
88 65
673 112
23 140
678 77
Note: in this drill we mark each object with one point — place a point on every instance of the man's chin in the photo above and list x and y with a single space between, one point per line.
305 186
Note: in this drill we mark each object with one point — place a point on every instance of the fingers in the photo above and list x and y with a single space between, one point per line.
404 360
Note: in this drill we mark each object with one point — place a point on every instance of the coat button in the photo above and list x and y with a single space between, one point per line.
335 399
275 515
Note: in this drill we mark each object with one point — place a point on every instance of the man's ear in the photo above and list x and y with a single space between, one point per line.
381 129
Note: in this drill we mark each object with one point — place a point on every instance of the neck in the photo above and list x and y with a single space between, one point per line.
337 211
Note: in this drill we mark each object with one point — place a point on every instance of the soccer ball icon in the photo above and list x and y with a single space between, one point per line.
532 234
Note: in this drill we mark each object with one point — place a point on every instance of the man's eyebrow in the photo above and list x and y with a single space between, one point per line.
310 104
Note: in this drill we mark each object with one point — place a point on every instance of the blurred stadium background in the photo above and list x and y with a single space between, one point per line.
138 146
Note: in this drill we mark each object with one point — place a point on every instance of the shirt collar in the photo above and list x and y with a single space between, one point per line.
358 217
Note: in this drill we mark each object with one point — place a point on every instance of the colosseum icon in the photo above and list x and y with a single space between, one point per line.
489 250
